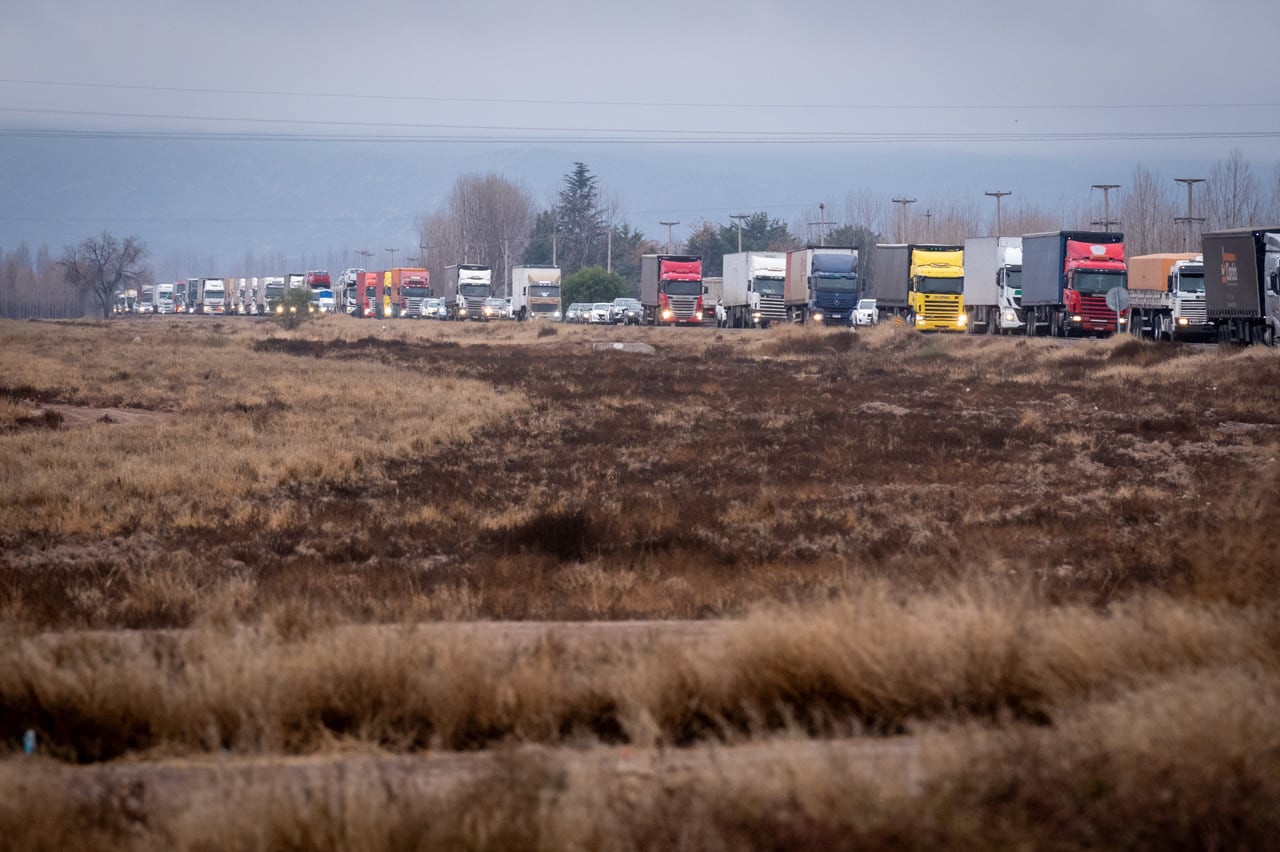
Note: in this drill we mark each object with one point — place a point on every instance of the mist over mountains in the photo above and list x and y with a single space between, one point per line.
208 204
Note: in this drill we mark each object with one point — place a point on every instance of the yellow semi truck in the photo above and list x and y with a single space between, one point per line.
923 284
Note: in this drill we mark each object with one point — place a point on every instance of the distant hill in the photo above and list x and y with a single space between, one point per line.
213 201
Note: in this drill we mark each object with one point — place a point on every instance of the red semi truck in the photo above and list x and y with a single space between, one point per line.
1066 276
410 288
368 295
671 289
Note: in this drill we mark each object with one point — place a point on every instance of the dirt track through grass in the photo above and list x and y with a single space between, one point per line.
1054 560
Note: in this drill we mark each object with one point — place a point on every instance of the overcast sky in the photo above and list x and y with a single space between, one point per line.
1013 69
1076 93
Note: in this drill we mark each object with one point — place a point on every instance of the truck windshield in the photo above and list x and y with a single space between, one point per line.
1191 283
772 286
1098 283
1013 279
947 286
843 283
416 292
544 292
474 290
682 288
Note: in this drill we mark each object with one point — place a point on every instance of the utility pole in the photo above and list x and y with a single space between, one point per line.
928 225
392 252
668 224
506 269
902 217
1106 221
608 251
1188 219
997 195
739 217
822 224
366 254
423 258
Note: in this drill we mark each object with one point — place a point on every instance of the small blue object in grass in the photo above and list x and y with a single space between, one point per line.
29 742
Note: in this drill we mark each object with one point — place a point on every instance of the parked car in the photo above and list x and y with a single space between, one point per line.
601 313
626 311
494 308
434 308
573 313
865 313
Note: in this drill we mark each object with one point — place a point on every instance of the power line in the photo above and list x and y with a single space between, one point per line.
727 135
612 103
566 136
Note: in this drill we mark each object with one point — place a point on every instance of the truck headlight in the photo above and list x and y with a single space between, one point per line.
1183 321
962 320
919 319
1077 318
817 316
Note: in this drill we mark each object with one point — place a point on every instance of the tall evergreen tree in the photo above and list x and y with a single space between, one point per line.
580 221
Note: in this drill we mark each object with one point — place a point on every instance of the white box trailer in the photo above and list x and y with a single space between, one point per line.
753 293
535 292
993 284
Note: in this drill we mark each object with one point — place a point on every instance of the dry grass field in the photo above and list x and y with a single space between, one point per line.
371 585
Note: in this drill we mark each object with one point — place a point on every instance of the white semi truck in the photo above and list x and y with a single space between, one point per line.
1166 296
466 286
753 294
212 298
993 284
162 301
535 292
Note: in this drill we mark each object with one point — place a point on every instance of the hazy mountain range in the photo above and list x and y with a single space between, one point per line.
210 202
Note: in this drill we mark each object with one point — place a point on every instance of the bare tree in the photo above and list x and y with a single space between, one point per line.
1273 203
1147 214
1233 198
487 220
102 266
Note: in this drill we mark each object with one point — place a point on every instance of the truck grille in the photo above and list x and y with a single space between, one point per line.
941 309
1095 311
1194 311
475 306
683 306
413 305
773 307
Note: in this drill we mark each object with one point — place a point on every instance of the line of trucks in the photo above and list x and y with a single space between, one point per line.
1056 283
467 293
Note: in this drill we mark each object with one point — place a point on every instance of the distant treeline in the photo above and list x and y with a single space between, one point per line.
33 286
